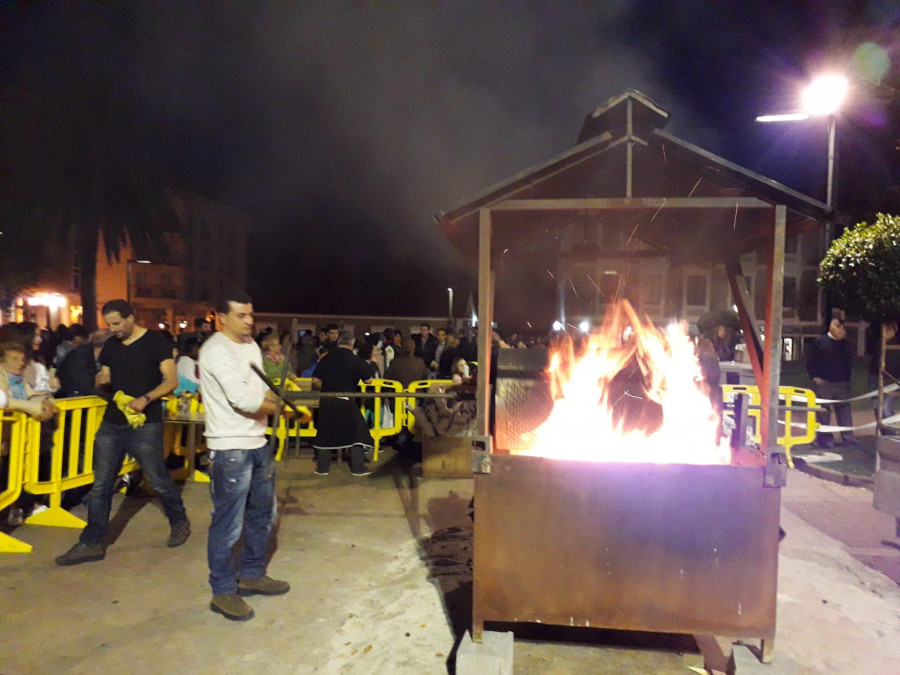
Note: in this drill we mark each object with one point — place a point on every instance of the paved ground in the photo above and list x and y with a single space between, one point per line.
381 577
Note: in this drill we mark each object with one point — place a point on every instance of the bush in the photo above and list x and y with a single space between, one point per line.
861 270
707 323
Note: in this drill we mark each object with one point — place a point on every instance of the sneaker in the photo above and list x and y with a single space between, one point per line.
231 606
321 473
82 553
264 585
179 534
364 472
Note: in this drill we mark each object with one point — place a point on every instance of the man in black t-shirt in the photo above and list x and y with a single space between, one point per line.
135 364
341 424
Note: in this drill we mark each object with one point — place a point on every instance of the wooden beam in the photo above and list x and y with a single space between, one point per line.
485 319
776 469
741 295
624 203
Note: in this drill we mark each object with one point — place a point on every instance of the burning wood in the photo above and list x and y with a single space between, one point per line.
629 393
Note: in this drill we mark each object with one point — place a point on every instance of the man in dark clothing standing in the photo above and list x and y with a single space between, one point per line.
828 364
137 365
80 366
426 344
341 424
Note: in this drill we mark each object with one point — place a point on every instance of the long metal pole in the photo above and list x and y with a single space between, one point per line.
450 309
832 129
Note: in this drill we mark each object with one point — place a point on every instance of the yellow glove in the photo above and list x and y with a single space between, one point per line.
135 419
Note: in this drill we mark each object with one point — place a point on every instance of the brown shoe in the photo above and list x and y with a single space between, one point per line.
231 606
264 585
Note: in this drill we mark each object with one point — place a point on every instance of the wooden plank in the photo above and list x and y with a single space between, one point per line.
620 203
485 318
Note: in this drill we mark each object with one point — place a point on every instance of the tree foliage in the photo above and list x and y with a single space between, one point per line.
74 172
708 322
861 270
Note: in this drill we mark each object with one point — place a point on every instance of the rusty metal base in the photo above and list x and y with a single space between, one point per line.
659 548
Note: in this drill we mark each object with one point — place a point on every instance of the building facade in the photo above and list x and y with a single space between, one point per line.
167 290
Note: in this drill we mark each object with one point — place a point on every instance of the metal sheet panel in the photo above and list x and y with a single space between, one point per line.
663 548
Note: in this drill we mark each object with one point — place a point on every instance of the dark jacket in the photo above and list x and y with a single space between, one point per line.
427 350
76 372
829 359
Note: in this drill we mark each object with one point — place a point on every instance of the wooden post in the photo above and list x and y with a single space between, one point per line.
769 385
485 321
747 316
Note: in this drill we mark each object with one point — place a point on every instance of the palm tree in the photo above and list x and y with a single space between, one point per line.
72 164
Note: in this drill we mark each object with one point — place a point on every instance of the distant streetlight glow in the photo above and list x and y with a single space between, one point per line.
825 94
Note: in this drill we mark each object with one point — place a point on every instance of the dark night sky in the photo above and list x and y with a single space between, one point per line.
342 127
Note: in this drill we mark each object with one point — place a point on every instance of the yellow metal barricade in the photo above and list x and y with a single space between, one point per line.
292 428
381 406
71 458
13 427
419 386
798 426
178 433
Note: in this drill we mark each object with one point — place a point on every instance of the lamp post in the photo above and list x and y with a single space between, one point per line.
128 279
450 308
822 97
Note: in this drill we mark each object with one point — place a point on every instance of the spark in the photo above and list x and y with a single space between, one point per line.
734 225
528 323
699 180
665 161
658 210
505 251
572 284
595 285
624 394
631 236
551 274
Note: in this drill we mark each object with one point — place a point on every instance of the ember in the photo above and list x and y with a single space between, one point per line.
631 393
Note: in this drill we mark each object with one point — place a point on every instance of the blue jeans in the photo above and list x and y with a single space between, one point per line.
145 444
242 488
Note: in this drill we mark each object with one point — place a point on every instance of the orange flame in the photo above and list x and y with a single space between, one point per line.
632 394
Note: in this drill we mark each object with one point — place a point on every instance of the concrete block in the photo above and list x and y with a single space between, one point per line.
493 656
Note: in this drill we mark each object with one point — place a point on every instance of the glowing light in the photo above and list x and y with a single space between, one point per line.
584 326
142 262
47 300
161 325
182 325
825 94
640 399
783 117
557 326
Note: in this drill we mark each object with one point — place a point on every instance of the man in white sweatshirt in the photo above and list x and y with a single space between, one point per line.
242 468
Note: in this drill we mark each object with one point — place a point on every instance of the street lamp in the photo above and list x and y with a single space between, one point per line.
822 97
450 307
128 282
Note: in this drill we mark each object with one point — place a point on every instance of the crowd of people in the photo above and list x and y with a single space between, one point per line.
135 368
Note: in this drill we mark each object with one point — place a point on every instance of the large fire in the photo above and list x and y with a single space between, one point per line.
631 393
